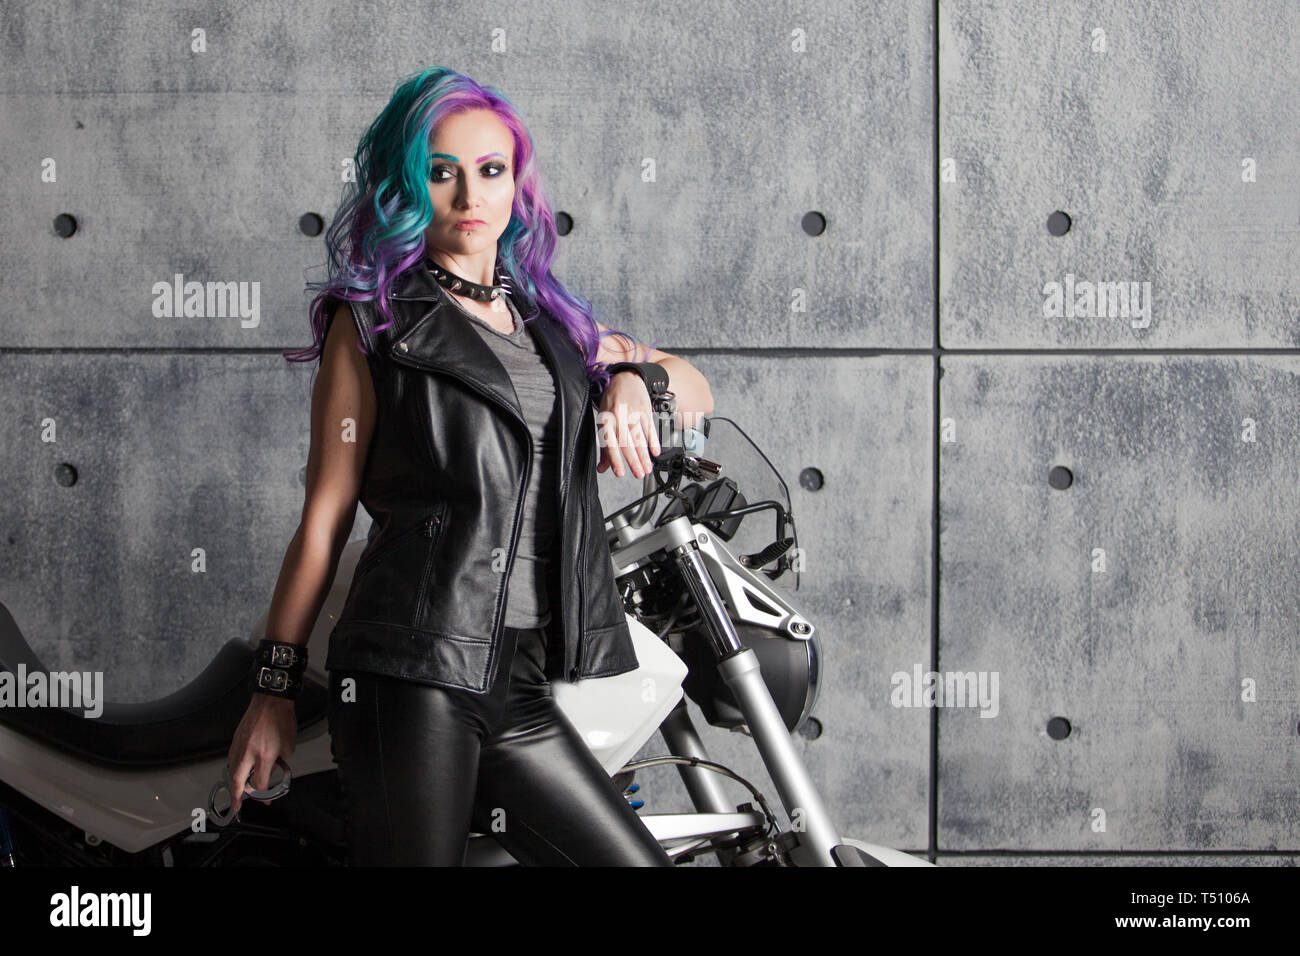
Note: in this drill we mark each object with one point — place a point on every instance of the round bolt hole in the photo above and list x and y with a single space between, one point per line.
812 479
1058 728
1058 223
311 224
1060 478
65 225
66 475
813 223
811 728
563 223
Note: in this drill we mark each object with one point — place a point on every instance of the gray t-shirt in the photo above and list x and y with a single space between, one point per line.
526 603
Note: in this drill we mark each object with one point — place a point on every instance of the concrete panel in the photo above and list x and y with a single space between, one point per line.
1171 149
686 142
866 586
1147 658
171 453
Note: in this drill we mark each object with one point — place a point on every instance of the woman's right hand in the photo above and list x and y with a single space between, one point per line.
266 732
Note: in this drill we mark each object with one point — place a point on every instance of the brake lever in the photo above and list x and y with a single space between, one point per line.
701 469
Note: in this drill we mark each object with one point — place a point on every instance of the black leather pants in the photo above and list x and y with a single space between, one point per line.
420 766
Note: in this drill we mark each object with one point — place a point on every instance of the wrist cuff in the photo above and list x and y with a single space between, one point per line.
653 374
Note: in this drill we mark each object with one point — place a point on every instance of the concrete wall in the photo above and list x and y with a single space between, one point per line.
965 155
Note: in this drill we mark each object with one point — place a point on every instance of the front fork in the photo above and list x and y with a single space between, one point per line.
815 834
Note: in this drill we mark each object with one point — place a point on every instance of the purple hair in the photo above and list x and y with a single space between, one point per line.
378 232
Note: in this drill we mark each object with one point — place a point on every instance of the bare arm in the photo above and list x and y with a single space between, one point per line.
618 440
685 381
335 464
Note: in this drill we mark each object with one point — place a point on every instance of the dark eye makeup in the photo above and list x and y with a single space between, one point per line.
499 168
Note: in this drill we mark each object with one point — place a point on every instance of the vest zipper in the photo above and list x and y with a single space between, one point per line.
371 559
567 487
514 536
528 464
566 482
582 603
429 524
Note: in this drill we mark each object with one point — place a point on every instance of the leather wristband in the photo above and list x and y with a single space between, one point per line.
278 667
653 374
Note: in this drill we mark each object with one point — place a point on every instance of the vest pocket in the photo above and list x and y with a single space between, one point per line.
388 584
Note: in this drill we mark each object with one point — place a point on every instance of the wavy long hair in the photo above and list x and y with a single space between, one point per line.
378 232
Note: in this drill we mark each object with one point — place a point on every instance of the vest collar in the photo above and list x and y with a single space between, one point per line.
439 339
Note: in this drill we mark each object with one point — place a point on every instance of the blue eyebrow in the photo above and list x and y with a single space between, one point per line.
455 160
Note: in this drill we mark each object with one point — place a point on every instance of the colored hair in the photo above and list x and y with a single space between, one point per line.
378 231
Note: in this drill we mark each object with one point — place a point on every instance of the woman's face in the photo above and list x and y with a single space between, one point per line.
471 177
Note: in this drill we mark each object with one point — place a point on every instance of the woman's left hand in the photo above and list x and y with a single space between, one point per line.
627 426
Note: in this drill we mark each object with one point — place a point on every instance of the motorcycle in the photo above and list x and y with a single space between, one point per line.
147 783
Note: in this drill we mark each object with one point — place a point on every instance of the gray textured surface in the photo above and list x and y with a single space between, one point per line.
193 432
1143 146
172 453
202 163
1145 659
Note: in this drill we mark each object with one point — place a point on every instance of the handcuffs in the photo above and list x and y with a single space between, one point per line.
277 671
222 817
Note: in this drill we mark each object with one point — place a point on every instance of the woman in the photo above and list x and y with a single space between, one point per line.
461 365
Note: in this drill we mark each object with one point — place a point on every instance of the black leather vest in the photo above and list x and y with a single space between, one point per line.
444 480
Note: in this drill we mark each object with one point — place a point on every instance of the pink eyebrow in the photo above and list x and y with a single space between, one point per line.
481 158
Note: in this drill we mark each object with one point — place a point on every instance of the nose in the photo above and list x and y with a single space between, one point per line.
466 199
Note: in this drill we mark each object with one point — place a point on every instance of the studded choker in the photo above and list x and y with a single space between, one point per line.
454 283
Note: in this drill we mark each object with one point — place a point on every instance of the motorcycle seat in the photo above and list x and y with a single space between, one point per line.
195 722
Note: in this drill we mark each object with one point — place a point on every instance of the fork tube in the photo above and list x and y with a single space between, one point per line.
703 786
739 667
